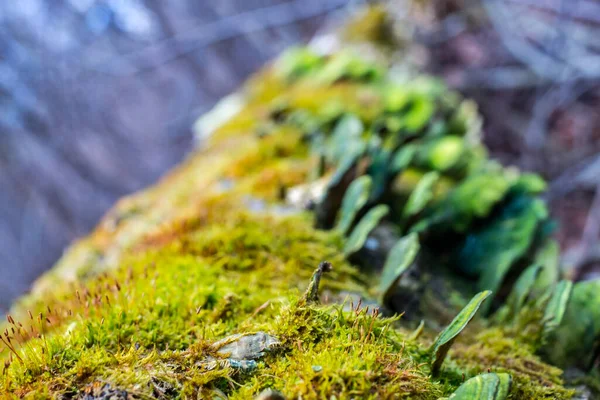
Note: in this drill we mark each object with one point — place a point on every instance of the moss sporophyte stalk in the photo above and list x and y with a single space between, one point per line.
339 234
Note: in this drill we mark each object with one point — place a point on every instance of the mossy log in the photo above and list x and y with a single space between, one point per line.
252 267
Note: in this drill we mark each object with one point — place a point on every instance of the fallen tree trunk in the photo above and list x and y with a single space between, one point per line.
340 234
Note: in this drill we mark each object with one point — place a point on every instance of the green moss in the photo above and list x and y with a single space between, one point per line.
496 350
153 320
213 250
172 303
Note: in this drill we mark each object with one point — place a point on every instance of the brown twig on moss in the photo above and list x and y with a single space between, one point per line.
312 292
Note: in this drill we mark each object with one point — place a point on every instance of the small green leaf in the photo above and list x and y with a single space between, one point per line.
421 195
529 183
296 62
490 386
420 112
479 194
504 386
354 199
548 257
492 251
345 164
378 170
360 233
445 339
347 65
444 153
345 138
522 288
555 310
417 332
575 342
400 257
474 197
402 157
395 98
331 201
466 122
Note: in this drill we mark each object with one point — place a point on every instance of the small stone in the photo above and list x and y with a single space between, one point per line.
245 347
162 389
246 365
317 368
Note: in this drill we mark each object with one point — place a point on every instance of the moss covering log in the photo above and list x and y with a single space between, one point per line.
202 286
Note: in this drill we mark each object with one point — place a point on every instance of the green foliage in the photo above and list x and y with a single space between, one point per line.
490 386
345 164
548 257
421 195
575 341
557 306
444 341
522 289
442 153
345 138
297 62
379 168
159 303
399 259
346 65
354 199
402 158
501 244
420 110
359 235
529 183
502 349
472 198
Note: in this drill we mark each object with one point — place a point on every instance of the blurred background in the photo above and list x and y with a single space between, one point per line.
98 99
